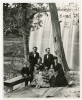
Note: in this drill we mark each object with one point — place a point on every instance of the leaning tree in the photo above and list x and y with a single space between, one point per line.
58 44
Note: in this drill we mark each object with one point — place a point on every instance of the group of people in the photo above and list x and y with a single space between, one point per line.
46 74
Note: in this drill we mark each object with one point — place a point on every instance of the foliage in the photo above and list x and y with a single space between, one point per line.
13 48
19 15
70 10
10 71
14 18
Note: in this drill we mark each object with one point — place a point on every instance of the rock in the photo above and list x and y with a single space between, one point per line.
70 83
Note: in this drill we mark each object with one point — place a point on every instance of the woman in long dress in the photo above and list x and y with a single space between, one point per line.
41 78
59 78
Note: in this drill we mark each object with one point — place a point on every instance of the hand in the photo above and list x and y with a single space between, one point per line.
55 72
30 75
25 75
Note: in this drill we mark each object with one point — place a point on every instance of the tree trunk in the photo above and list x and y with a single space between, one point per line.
58 44
24 31
26 46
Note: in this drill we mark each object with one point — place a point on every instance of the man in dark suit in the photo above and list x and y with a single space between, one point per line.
48 58
33 56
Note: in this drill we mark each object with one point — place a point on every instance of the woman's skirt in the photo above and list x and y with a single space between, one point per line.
61 80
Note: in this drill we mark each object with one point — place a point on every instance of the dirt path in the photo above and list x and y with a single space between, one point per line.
60 92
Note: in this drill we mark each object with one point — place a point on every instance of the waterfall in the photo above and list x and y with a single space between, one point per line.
43 38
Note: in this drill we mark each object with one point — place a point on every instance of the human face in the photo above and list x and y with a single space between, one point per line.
35 68
51 67
48 51
45 68
34 49
25 65
39 60
55 61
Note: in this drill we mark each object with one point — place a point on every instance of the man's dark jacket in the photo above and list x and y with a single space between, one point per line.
25 70
48 62
33 61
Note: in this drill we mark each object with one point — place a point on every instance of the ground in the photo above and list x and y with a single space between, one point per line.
60 92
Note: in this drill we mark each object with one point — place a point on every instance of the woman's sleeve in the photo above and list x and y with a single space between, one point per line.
60 71
22 72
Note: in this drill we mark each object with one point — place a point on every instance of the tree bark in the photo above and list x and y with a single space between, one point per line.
26 46
24 31
24 28
58 44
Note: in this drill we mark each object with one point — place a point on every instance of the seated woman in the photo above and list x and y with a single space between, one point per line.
45 78
51 71
37 68
39 74
52 75
39 65
60 79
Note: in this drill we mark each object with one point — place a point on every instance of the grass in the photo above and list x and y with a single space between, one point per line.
14 56
15 49
10 72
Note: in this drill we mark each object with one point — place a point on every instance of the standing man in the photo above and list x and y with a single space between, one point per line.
48 58
33 57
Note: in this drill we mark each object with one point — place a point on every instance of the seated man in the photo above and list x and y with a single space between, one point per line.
25 73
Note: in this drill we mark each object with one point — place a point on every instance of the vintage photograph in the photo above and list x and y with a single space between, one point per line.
41 50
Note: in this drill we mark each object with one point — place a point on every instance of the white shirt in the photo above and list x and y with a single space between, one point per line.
34 55
47 56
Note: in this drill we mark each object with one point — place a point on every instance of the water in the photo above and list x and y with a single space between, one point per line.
43 38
